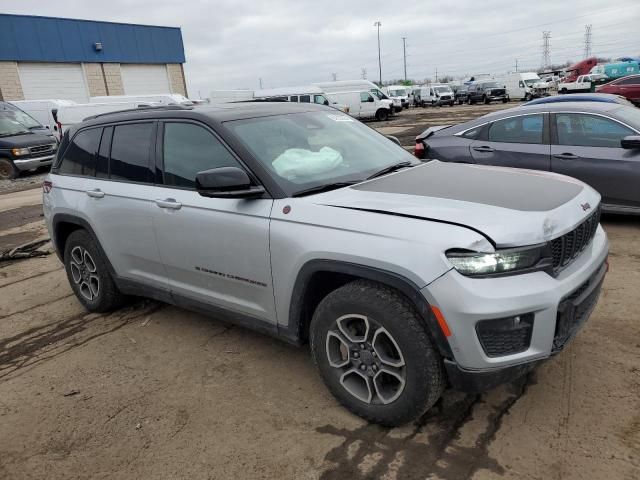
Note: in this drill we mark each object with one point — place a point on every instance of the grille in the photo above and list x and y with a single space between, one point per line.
41 149
446 97
499 91
504 336
566 248
571 315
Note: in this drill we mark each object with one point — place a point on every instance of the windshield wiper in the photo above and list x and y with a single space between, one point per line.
391 168
322 188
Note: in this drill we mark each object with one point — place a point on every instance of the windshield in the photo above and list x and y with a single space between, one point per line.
442 89
531 81
311 149
491 85
20 116
379 94
629 115
9 126
397 93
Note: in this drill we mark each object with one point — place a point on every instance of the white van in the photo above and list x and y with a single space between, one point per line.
435 95
299 94
524 85
41 110
352 86
158 99
68 115
363 104
230 96
399 94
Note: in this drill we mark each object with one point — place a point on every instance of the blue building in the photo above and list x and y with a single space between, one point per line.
61 58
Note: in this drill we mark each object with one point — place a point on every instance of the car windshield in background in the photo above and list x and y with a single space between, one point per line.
531 81
629 115
397 93
491 85
307 150
9 126
442 89
20 116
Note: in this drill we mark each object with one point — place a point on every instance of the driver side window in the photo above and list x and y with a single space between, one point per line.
364 97
189 149
583 130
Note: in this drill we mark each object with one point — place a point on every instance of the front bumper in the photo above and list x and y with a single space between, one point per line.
31 163
465 301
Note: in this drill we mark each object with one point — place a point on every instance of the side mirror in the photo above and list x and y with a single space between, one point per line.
630 142
326 102
226 182
394 139
370 99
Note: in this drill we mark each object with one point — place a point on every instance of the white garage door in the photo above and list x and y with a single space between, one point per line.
144 79
53 80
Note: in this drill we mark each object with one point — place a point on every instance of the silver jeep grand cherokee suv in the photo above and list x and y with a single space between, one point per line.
297 220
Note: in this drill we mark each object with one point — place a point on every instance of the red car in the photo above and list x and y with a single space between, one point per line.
628 87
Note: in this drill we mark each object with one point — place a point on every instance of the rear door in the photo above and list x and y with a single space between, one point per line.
521 141
215 250
587 147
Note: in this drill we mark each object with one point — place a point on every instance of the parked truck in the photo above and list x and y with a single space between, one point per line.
581 85
524 85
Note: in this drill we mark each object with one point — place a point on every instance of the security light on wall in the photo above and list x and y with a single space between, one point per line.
97 46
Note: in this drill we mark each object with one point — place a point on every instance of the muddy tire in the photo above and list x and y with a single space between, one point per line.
8 170
469 101
382 115
89 275
374 353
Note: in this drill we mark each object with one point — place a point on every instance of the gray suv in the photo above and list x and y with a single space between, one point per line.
301 222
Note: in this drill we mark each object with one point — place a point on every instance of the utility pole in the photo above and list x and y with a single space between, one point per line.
404 53
363 73
260 79
546 49
334 76
378 24
516 65
436 74
587 41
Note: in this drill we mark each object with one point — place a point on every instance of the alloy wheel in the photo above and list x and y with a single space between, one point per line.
366 359
84 273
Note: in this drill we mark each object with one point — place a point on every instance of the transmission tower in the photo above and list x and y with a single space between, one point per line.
587 41
363 73
546 49
334 76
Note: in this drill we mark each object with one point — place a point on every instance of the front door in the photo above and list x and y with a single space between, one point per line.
520 142
587 147
215 250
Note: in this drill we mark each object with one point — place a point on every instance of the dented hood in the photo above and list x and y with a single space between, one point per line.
511 207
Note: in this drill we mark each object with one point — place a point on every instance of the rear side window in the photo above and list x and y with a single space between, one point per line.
293 98
630 81
80 157
305 99
525 129
189 149
130 152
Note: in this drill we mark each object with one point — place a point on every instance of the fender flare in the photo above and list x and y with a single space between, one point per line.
293 330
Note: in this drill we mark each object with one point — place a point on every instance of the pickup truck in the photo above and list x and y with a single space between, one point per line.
582 85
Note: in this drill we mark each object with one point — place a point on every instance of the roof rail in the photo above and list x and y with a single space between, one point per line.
142 108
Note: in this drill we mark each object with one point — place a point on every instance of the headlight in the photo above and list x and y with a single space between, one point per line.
501 261
17 152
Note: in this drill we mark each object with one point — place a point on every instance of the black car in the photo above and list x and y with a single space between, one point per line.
486 92
461 94
21 149
596 142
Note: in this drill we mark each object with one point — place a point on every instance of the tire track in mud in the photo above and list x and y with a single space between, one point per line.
42 343
410 457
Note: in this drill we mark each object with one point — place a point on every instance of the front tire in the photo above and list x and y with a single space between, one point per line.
8 170
88 274
374 353
382 115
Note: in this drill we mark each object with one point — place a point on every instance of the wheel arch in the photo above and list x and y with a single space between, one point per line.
319 277
63 225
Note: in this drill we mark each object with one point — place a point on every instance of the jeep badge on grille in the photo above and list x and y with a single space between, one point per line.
585 206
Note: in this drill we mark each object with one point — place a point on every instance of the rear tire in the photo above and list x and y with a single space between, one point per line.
374 353
469 101
89 275
8 170
486 100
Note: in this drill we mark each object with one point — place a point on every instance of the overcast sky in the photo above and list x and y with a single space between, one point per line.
231 44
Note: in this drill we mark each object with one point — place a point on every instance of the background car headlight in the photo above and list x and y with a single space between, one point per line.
17 152
500 261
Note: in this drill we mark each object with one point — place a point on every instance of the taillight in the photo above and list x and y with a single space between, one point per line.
419 149
47 186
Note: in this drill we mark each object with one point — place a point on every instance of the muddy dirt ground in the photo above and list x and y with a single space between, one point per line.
152 391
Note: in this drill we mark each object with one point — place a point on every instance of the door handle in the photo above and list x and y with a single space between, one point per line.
566 156
483 149
96 193
169 203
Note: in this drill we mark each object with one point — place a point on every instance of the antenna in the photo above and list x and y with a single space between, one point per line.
587 41
546 49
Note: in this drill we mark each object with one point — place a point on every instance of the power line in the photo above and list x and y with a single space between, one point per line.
587 41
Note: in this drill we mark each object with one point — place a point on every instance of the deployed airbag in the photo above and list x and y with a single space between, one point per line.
299 162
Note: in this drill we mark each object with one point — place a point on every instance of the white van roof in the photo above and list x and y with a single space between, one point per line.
159 97
71 114
47 102
284 91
